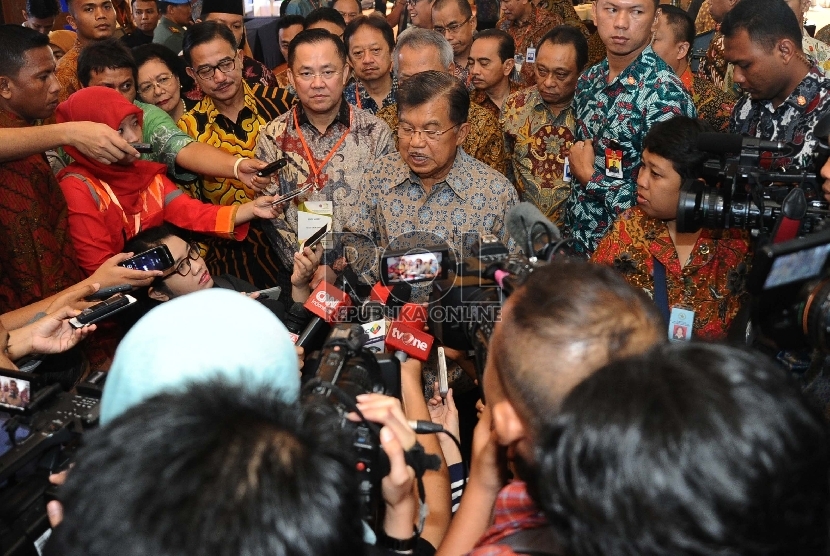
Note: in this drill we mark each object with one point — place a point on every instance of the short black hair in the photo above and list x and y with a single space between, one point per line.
287 21
156 2
681 23
567 310
692 449
16 41
765 21
204 32
507 48
214 470
155 51
463 6
375 21
568 34
315 36
98 56
428 85
356 2
675 140
325 14
43 9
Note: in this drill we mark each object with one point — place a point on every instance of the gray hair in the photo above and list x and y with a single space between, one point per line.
417 38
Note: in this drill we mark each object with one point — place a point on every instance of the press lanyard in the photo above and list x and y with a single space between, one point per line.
315 171
661 294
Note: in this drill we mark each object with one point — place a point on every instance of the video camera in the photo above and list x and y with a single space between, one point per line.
42 427
736 192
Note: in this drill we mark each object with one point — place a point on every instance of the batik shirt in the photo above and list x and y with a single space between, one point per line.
716 69
366 139
712 104
529 33
66 71
537 143
462 73
647 91
712 282
704 22
252 259
364 101
484 141
480 97
817 51
565 10
792 122
37 257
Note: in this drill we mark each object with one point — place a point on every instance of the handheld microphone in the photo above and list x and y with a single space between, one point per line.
793 209
296 320
526 225
327 304
412 342
733 143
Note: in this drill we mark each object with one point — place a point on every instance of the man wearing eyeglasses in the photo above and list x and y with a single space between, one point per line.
230 116
329 145
455 21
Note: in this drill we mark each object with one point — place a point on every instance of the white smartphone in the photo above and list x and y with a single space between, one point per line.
443 384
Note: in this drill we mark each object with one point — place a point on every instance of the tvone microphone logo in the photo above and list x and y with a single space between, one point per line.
409 339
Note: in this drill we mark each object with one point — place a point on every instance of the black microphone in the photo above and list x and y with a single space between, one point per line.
523 222
734 143
296 318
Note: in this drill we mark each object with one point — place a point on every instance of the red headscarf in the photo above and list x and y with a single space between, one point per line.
108 106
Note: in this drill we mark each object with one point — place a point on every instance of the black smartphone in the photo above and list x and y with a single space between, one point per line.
104 293
102 310
316 237
273 167
142 147
157 258
291 194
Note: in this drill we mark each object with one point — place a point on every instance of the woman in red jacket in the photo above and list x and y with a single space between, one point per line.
109 204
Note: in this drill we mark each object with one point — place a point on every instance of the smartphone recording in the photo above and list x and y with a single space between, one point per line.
423 266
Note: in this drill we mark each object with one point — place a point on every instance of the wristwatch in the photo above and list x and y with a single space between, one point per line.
398 545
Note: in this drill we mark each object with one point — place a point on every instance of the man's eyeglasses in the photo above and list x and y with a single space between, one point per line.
431 135
452 27
162 81
193 254
209 72
308 76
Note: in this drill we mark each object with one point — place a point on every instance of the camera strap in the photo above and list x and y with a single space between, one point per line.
661 290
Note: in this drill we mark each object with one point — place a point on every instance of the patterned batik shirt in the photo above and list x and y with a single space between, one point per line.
712 104
396 211
712 282
364 101
716 69
565 10
647 91
537 143
66 71
792 122
704 22
367 139
484 141
462 73
480 97
207 125
817 51
527 34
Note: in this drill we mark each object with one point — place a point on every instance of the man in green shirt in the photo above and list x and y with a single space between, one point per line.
175 14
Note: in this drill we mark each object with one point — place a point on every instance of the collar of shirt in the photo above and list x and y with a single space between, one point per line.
10 119
207 107
457 179
631 76
801 99
535 99
687 78
343 115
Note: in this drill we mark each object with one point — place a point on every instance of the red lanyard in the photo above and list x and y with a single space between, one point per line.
315 171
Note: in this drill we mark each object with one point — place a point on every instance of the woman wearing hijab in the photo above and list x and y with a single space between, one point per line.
109 204
193 338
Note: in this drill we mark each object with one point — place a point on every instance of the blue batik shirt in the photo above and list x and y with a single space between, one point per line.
645 92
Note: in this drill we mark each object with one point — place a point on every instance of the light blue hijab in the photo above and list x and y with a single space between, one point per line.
209 334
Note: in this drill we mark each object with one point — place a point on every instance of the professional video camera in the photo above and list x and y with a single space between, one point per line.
42 427
736 192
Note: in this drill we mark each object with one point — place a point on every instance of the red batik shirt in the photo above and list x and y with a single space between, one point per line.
712 282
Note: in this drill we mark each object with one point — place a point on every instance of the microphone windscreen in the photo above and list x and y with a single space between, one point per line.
525 217
720 142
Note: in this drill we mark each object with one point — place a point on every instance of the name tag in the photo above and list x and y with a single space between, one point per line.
530 56
681 324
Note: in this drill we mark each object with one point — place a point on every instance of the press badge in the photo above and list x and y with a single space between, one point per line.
530 56
311 216
566 172
681 324
613 160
